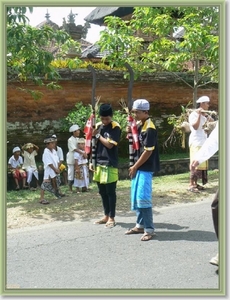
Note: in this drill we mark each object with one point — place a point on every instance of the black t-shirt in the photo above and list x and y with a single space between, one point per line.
147 135
105 156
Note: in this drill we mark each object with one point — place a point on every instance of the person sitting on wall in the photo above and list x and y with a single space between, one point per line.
29 151
15 167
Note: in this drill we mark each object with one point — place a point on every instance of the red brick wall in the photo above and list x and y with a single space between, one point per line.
23 111
164 97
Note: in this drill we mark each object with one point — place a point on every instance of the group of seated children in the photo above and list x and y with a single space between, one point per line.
52 159
24 169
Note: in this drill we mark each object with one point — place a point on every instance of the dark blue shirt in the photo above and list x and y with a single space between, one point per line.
104 155
148 140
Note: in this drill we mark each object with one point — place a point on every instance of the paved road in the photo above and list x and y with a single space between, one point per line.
80 255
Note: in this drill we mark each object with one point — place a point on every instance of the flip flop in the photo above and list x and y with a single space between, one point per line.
102 221
110 224
43 201
33 189
193 190
62 195
200 187
147 236
135 230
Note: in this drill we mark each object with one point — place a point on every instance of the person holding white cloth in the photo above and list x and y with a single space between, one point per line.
72 147
208 149
197 137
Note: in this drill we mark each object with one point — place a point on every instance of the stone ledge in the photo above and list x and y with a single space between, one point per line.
170 167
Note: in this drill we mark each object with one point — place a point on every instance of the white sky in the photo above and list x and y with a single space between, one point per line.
58 13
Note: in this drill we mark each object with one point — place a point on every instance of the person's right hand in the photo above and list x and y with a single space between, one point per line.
199 110
91 168
84 154
193 165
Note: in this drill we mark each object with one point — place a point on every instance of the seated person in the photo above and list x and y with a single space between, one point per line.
15 166
29 151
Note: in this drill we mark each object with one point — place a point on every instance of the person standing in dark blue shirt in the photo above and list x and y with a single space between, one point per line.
141 173
107 133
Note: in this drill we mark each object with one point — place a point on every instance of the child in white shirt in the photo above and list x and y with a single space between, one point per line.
29 151
15 166
81 180
51 181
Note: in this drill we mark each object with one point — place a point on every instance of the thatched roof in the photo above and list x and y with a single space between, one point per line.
94 51
99 13
48 22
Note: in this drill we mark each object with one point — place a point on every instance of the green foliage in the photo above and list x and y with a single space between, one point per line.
70 46
176 121
79 115
147 42
116 39
27 56
17 14
76 63
29 62
36 95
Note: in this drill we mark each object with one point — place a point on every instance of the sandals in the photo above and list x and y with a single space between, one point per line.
193 189
200 187
135 230
110 224
33 189
102 221
57 195
147 236
43 201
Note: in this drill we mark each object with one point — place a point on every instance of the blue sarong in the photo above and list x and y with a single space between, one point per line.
141 190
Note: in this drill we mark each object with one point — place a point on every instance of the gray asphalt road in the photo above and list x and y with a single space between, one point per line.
81 255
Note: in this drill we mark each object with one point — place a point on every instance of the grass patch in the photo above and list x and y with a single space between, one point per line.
166 190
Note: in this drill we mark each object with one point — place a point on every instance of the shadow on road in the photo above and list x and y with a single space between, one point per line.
175 232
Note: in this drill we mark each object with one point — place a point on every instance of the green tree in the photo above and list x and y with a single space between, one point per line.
150 42
27 54
80 115
17 14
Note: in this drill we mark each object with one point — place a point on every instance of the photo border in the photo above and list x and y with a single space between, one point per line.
222 158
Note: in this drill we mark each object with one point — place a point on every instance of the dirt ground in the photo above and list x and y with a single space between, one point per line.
86 206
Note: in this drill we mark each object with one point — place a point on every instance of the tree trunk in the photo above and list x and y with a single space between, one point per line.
196 74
